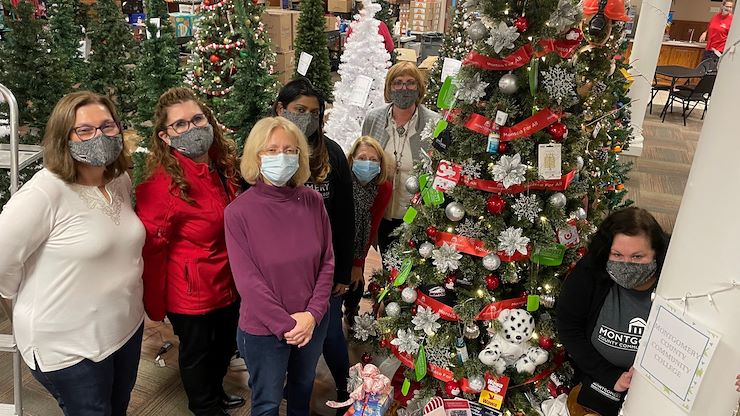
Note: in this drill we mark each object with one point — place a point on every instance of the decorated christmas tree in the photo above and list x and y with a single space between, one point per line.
217 45
113 54
456 45
311 39
254 85
521 169
364 65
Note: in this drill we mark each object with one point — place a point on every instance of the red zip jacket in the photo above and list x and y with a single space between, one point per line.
186 268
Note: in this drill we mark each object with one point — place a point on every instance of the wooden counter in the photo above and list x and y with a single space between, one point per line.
677 53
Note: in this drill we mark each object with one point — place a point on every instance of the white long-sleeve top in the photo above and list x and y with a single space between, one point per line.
72 261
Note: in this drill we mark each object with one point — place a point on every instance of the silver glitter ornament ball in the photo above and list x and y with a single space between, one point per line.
547 301
471 331
408 294
476 383
455 211
477 31
491 261
557 200
393 309
580 213
412 185
425 249
508 84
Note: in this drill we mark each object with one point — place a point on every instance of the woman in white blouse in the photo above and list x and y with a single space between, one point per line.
70 255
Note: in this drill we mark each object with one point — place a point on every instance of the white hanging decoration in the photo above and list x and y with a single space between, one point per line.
502 36
511 241
446 258
509 170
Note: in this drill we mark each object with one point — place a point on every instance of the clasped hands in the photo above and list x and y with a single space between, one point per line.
302 332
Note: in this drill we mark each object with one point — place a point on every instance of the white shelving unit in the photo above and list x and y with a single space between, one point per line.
14 157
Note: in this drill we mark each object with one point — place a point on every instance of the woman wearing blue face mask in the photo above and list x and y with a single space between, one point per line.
301 103
372 192
280 249
604 305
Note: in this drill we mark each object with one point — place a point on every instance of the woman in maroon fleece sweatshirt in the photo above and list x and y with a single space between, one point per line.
278 238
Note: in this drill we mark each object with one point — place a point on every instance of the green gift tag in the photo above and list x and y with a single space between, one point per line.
446 97
420 364
410 215
406 386
404 274
549 256
429 195
440 127
533 303
383 293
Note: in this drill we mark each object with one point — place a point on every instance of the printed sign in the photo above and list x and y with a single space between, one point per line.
304 62
447 176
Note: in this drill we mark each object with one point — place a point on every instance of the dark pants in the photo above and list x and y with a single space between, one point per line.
206 345
384 233
352 301
335 345
269 359
96 389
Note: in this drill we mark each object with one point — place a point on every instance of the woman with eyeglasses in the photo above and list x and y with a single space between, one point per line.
70 255
398 127
280 247
192 176
301 103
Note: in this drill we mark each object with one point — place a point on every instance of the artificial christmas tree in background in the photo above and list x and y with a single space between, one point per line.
113 54
519 173
66 31
456 45
254 86
386 15
364 62
216 46
311 39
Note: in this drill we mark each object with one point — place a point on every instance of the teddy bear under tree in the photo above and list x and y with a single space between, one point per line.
516 177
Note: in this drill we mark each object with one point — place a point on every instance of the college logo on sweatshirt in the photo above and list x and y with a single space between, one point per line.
627 341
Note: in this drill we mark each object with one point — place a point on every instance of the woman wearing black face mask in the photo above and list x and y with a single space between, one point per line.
398 126
300 103
604 305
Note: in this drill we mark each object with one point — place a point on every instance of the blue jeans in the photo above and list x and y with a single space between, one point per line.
269 359
335 345
96 389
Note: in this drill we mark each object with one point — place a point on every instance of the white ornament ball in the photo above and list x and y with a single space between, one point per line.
508 84
455 211
580 213
412 185
393 309
425 249
557 200
476 383
612 67
471 331
408 294
579 162
491 261
477 31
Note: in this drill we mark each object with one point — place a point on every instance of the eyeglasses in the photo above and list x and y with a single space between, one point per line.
409 85
274 151
88 132
181 126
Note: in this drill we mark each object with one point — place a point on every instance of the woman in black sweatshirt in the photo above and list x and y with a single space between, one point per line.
605 302
301 103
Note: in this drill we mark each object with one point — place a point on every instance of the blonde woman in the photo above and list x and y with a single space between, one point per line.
372 192
70 255
280 248
397 126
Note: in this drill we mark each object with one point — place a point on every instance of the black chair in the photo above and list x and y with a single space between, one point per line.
700 93
707 66
657 87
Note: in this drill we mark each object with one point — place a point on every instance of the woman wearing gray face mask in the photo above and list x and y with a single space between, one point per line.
398 126
604 305
70 255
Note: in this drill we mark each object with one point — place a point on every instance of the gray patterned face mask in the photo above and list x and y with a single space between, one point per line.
307 122
99 151
630 275
404 98
195 142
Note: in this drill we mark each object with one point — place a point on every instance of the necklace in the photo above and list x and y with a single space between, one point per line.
398 154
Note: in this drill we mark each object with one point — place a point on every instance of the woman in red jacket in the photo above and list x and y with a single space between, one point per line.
372 192
191 177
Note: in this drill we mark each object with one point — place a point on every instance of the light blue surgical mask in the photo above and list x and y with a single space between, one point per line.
278 169
365 170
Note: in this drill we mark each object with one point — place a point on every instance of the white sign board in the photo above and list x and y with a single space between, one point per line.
674 353
450 67
360 90
304 62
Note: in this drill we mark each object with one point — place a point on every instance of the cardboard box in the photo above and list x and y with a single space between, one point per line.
285 66
279 26
426 66
294 16
330 23
405 54
342 6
